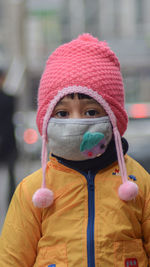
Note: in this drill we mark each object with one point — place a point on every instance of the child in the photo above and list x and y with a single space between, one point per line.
93 208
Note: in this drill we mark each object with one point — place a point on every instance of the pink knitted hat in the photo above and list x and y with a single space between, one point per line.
88 66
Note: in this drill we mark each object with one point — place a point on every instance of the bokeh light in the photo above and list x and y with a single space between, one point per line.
139 110
30 136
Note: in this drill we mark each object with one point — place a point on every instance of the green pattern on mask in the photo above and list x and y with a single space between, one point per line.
90 140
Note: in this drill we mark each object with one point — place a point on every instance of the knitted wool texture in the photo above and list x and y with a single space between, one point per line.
85 62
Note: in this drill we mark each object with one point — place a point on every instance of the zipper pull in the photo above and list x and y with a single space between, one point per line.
90 180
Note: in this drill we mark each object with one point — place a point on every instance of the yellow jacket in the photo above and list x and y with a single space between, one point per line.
87 226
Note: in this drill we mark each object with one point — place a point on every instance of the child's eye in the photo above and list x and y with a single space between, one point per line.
61 114
92 113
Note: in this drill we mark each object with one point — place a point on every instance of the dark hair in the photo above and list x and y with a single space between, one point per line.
80 96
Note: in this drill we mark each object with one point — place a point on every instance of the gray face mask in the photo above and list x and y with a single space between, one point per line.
79 139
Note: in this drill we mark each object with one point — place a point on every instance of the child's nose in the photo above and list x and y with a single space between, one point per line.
75 115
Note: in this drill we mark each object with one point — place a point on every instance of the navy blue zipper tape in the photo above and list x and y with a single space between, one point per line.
91 220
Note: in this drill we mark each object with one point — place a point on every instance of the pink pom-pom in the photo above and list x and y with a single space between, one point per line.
43 198
88 38
128 191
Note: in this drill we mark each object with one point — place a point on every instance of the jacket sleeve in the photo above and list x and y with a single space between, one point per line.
146 222
21 231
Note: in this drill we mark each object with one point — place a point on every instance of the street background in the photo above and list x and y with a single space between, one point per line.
31 29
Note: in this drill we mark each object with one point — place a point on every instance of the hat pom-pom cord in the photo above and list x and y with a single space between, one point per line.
43 198
128 191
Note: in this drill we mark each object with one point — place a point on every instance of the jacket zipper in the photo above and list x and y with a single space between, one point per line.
91 219
91 216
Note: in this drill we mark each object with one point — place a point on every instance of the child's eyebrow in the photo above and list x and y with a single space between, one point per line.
61 103
85 100
90 101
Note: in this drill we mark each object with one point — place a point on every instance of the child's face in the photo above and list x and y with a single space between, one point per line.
75 108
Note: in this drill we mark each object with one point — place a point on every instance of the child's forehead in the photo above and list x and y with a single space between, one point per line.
77 100
78 96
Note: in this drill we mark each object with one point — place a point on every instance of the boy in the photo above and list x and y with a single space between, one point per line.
93 208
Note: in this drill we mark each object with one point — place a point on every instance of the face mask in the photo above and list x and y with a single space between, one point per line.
79 139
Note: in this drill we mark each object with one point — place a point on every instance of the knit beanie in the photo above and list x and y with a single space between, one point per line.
88 66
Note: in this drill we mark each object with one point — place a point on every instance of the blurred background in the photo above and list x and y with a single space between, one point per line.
29 31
